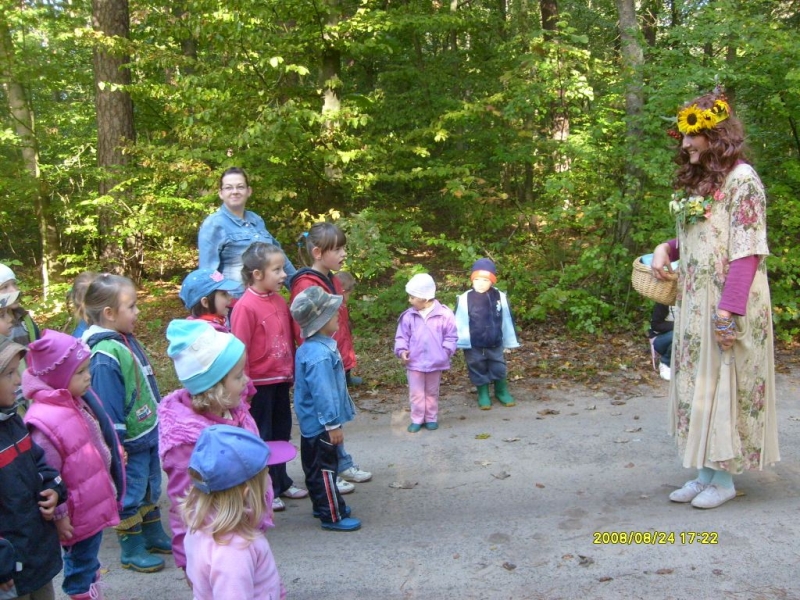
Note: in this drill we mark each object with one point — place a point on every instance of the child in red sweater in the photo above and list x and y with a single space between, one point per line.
262 322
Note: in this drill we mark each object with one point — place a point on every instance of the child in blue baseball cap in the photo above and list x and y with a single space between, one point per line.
226 552
209 296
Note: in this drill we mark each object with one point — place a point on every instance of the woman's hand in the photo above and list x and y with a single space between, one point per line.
724 329
661 264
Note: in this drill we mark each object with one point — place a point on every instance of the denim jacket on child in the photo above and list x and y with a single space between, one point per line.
320 389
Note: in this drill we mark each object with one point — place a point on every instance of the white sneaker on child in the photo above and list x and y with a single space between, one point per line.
689 491
664 371
344 487
278 505
355 474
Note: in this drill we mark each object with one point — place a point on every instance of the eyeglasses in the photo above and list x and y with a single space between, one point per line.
230 188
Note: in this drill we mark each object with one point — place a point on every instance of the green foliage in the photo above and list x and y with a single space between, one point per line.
444 148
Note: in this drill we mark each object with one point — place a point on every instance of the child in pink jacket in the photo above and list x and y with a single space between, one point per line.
68 421
226 551
210 365
425 340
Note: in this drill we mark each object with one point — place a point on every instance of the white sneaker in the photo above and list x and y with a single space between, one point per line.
355 474
688 492
664 371
713 496
344 487
278 505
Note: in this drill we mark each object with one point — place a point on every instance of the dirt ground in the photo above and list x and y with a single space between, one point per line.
508 504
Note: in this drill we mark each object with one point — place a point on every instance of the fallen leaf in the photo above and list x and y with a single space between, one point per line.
403 485
664 571
592 407
540 485
794 418
548 411
509 566
585 561
483 436
629 466
483 463
511 439
618 402
621 441
604 579
717 571
501 475
567 557
633 429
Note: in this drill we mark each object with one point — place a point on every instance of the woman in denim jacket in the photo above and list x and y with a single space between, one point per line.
226 234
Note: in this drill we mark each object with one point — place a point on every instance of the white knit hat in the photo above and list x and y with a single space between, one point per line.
6 274
422 286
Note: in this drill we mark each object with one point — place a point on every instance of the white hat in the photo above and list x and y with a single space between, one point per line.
422 286
6 274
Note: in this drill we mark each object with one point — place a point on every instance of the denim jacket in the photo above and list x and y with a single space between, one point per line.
224 237
320 390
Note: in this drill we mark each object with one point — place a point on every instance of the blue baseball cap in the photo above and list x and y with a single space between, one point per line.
227 456
200 283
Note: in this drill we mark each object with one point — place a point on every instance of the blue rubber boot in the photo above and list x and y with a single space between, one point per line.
155 538
134 555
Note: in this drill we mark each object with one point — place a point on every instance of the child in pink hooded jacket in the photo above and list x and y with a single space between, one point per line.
210 365
425 340
68 421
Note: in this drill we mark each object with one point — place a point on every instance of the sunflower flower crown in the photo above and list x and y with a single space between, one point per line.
692 209
692 119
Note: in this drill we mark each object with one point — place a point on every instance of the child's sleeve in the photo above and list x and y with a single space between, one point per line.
8 560
401 336
51 478
509 331
450 334
109 386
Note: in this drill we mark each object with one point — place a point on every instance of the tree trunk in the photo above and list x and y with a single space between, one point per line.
549 10
114 110
632 58
22 116
330 72
559 126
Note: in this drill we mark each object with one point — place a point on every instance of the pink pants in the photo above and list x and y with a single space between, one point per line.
423 392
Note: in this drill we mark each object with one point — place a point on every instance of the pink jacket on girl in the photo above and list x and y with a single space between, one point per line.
179 426
430 341
85 464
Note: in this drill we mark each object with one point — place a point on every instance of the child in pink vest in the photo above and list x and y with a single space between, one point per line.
68 422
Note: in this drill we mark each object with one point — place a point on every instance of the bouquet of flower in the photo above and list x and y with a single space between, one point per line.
692 209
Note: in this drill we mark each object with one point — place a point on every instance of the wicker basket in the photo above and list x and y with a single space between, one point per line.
663 292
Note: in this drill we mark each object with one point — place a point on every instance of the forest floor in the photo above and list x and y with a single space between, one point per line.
509 503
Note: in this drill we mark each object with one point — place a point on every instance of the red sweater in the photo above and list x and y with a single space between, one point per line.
307 278
263 323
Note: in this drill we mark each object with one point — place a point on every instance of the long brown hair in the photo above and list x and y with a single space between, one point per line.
726 146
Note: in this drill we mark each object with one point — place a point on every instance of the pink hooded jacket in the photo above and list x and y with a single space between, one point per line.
179 426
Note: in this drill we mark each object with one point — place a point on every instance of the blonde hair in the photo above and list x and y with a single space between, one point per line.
77 293
239 509
215 396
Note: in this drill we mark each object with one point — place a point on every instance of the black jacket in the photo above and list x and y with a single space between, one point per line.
23 475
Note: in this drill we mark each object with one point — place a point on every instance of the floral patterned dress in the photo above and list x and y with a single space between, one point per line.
723 403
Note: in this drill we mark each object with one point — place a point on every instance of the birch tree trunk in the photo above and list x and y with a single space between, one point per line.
23 119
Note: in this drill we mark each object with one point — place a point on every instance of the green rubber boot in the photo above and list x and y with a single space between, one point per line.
134 555
155 538
501 393
484 401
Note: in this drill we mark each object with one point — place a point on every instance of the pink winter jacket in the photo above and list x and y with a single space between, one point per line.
179 427
92 501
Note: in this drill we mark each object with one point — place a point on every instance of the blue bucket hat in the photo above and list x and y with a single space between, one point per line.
200 283
227 456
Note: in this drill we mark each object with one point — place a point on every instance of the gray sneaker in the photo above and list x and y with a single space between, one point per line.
344 487
355 474
688 492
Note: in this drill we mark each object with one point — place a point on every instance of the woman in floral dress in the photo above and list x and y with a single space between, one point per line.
722 392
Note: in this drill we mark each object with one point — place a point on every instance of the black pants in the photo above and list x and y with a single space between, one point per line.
321 466
272 413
